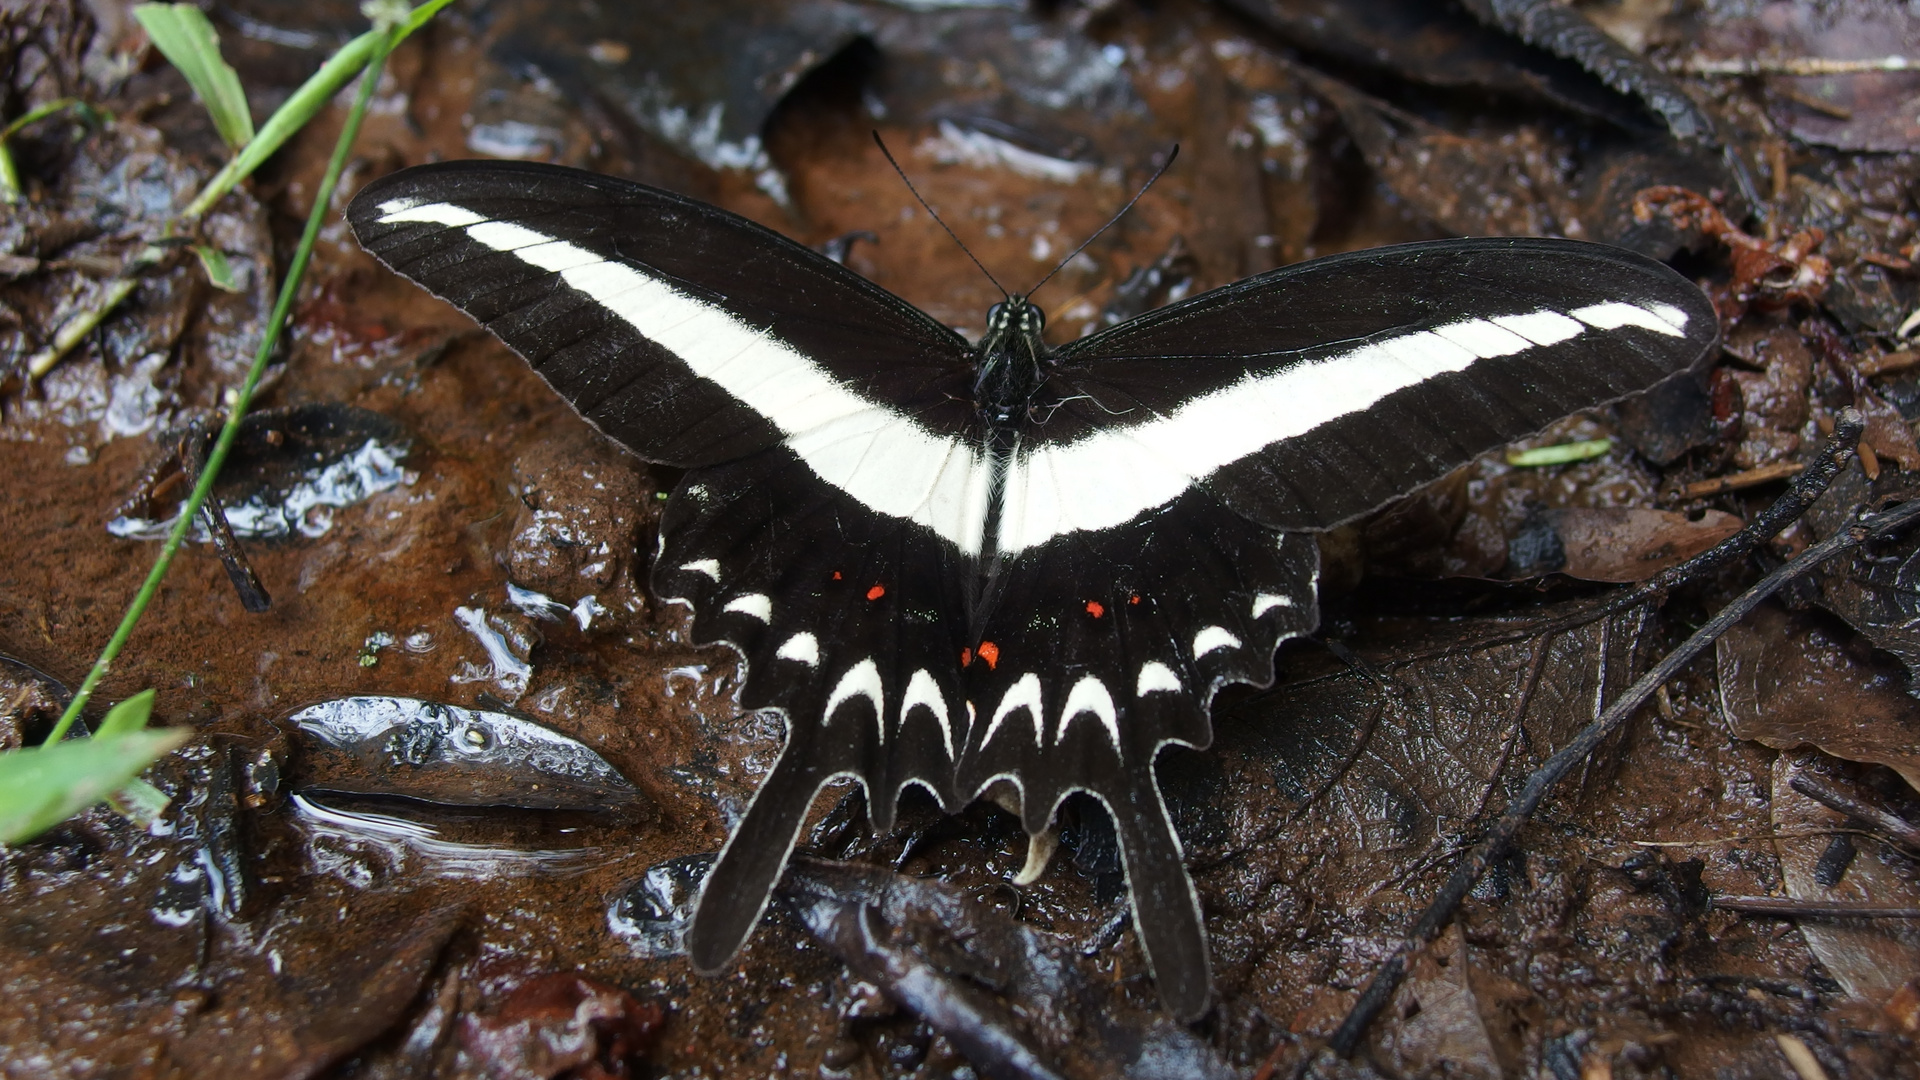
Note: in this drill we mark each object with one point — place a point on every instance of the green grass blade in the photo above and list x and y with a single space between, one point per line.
243 395
43 786
139 802
305 104
219 270
188 41
1563 454
129 716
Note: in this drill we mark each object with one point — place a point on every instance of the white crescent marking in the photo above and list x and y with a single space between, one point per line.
709 567
803 647
1212 638
1089 697
1266 602
1156 678
923 691
753 605
1023 694
860 680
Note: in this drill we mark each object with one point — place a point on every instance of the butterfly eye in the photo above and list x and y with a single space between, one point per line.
996 314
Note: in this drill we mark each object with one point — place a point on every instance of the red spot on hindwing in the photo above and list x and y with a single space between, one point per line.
836 575
1134 599
966 657
991 654
876 592
1096 609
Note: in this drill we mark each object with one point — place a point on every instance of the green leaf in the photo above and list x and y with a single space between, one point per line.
129 716
219 270
306 103
139 802
1563 454
45 785
185 37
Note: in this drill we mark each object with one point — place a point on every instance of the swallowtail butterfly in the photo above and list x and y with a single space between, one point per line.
952 564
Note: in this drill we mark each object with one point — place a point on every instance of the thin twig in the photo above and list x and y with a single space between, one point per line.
1889 825
1518 728
1794 65
1720 485
1499 839
1787 908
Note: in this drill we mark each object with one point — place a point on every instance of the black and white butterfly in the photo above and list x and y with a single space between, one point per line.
951 564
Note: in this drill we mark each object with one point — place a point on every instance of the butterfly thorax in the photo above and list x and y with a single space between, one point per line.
1010 362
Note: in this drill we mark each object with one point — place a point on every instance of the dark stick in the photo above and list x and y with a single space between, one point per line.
1811 909
1494 846
1899 830
193 457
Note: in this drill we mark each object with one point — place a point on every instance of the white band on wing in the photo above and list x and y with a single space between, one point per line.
875 454
894 466
1115 475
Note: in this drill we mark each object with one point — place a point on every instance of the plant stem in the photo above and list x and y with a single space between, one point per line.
241 397
9 174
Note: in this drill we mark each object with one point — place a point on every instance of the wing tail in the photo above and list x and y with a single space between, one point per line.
743 877
1166 909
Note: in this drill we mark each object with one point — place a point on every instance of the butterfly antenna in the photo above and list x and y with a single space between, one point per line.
936 217
1157 174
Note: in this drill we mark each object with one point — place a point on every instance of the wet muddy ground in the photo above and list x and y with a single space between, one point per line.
492 884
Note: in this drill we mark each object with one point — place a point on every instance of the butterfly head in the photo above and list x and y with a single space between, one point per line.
1010 361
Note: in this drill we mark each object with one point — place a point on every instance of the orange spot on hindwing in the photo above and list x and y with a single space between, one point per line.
991 654
1096 609
876 592
966 657
1134 599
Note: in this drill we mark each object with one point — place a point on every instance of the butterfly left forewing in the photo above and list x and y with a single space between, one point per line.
687 333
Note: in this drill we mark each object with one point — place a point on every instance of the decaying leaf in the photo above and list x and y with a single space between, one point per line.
1789 680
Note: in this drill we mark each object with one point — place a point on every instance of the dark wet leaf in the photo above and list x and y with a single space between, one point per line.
1668 420
1790 680
446 754
1513 183
1008 85
1565 32
347 1005
651 914
1018 1001
288 472
1451 1010
1877 589
561 1024
702 78
1624 544
1872 111
1439 45
1870 958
